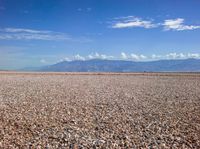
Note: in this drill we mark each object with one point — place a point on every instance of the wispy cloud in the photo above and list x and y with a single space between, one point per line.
79 9
25 11
131 21
88 9
177 25
24 30
2 8
30 34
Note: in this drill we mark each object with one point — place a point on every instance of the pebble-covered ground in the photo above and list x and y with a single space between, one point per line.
65 110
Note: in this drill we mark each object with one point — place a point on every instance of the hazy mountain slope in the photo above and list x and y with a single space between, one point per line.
125 66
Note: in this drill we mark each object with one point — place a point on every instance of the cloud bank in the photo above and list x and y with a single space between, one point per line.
133 57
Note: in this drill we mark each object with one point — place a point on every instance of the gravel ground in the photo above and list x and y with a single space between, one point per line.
65 110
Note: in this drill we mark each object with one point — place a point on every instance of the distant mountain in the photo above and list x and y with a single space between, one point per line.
97 65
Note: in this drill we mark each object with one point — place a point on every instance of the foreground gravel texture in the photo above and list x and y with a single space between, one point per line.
65 110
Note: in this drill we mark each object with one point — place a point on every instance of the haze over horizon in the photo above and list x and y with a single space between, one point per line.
35 33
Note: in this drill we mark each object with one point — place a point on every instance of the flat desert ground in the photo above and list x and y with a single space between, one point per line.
99 110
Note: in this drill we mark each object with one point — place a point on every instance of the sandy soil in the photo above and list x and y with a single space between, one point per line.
71 110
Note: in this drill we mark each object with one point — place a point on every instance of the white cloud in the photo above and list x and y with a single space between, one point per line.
143 56
154 56
131 21
177 25
138 57
99 56
43 61
103 56
193 55
181 55
78 57
173 55
64 59
123 55
133 56
91 56
169 24
176 56
67 59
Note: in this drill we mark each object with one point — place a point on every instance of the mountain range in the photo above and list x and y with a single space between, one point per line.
99 65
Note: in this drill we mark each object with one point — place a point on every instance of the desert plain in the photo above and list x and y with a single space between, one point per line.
99 110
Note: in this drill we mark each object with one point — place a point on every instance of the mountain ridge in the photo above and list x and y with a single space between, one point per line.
99 65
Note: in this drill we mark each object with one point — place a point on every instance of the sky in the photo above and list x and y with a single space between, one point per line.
35 33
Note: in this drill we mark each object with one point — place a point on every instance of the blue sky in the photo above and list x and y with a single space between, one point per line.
43 32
